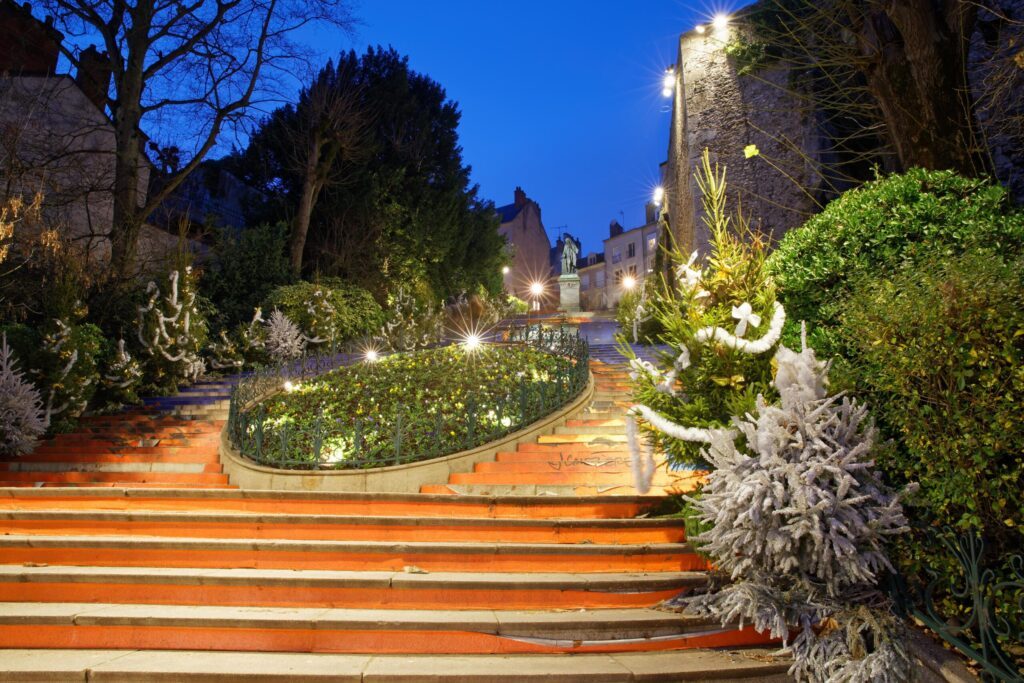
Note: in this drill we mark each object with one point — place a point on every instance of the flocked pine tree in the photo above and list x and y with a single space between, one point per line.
721 322
799 521
22 417
284 340
120 379
172 331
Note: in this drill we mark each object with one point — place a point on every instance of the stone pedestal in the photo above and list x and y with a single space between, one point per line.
569 293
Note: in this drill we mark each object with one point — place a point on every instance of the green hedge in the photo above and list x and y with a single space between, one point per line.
330 310
882 227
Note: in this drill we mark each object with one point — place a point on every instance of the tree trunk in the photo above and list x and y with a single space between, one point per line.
917 73
310 189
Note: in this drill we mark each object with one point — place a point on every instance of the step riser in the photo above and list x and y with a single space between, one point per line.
205 455
564 478
349 598
509 509
165 467
508 561
326 640
340 532
185 480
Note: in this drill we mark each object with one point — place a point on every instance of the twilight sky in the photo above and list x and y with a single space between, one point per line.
562 97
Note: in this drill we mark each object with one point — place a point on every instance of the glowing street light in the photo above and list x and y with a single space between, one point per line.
628 282
720 22
537 289
659 195
668 83
700 29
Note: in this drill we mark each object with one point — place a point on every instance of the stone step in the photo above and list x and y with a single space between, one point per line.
610 431
305 502
107 485
619 464
197 666
301 629
365 590
99 477
140 551
575 437
339 527
617 423
87 466
565 477
526 490
168 454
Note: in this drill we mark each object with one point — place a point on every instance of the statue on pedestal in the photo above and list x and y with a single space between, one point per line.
570 251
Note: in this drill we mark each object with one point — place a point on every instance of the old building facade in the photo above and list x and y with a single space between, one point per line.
529 248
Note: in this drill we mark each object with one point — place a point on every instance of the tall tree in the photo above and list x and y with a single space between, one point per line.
406 211
196 63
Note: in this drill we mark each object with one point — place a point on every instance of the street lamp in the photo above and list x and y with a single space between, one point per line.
659 195
720 22
668 83
628 282
504 270
536 291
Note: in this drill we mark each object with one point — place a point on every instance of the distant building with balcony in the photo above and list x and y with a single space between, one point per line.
627 254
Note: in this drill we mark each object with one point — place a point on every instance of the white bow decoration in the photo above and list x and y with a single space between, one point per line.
744 313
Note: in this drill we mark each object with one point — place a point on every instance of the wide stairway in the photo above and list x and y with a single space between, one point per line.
140 583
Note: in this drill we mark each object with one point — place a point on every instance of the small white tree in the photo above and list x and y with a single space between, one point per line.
284 340
799 521
22 418
171 329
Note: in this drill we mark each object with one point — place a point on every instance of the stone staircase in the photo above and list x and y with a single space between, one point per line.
168 442
135 582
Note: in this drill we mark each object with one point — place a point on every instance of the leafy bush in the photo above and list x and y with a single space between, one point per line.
430 398
881 227
939 352
329 312
246 268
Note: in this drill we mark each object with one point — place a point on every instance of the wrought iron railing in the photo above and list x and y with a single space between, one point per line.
980 614
344 444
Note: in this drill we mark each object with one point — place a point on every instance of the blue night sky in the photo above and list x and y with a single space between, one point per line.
562 97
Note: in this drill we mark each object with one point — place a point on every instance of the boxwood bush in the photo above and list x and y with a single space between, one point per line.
883 226
938 352
330 310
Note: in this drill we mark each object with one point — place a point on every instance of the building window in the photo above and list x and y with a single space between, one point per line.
600 279
616 255
652 243
618 277
631 250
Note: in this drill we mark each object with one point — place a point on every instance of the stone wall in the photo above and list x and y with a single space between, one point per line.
720 110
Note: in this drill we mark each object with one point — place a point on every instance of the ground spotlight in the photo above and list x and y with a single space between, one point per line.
504 270
372 356
471 342
289 387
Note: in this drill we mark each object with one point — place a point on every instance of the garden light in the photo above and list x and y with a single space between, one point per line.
628 282
720 22
504 270
372 356
472 342
289 387
659 195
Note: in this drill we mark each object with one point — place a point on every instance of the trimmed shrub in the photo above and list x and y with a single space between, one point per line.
880 228
939 352
329 312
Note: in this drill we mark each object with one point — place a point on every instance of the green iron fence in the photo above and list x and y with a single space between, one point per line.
345 444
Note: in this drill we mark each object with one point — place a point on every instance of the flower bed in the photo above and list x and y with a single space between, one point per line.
411 407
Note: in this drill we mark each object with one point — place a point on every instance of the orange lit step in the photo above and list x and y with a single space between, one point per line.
557 478
337 527
299 502
125 477
176 627
126 551
205 454
362 590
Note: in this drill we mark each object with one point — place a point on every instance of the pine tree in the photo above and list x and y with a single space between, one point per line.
284 340
710 315
172 331
22 418
799 522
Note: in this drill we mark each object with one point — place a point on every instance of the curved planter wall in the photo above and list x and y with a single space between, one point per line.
395 479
